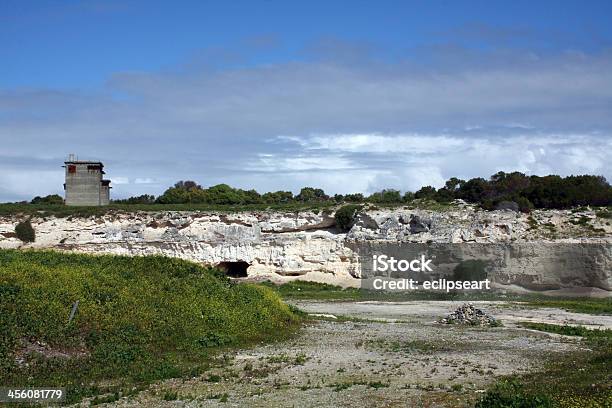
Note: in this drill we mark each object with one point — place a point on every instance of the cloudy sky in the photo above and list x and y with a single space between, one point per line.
350 96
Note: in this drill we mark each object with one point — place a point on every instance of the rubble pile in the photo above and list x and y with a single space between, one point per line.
470 315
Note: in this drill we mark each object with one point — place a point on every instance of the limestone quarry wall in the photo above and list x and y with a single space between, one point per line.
545 251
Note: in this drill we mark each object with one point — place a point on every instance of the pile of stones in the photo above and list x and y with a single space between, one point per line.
470 315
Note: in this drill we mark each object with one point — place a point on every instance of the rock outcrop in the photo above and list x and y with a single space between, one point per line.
544 251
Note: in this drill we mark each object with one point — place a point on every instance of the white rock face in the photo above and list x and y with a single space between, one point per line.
306 245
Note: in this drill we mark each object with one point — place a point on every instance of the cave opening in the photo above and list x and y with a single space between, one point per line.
235 269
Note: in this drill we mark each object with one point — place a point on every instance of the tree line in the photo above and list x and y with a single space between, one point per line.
524 192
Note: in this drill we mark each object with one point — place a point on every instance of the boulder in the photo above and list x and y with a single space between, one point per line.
508 205
419 224
365 221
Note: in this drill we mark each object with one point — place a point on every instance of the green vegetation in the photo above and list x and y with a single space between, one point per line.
509 393
138 319
536 192
337 387
25 232
43 210
576 379
322 291
580 305
502 189
313 290
345 216
52 199
569 330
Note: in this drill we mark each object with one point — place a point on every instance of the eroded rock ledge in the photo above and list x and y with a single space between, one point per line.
542 247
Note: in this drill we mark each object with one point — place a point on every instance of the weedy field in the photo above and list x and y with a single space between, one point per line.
156 331
396 354
138 319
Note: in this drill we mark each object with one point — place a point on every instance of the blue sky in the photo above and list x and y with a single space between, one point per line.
350 96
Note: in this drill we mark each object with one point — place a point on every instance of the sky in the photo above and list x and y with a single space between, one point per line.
349 96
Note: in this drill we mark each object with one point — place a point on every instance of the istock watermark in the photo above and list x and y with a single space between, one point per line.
469 267
389 264
384 263
440 284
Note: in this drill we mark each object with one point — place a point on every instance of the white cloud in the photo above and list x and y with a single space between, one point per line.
407 162
345 126
120 180
145 180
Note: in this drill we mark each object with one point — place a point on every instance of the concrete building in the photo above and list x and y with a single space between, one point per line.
85 184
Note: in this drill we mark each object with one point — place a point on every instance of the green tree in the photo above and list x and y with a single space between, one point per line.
141 199
345 216
174 195
52 199
386 196
309 194
408 196
354 198
277 197
425 192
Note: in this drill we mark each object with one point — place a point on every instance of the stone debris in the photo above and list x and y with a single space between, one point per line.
470 315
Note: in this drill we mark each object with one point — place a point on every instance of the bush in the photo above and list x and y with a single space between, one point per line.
141 199
345 216
386 196
509 393
52 199
25 231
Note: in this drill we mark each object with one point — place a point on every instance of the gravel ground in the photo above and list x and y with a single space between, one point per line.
376 354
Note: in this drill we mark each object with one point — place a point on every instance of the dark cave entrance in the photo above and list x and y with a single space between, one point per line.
237 269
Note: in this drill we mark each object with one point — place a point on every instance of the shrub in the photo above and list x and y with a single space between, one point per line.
170 395
141 199
25 231
345 216
524 204
386 196
509 393
52 199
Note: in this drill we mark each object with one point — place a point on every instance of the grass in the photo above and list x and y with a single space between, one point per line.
313 290
575 379
579 305
323 291
302 290
337 387
569 330
139 320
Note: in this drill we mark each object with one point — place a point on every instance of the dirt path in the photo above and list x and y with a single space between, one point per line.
397 357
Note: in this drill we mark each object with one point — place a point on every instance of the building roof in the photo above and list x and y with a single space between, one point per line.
84 162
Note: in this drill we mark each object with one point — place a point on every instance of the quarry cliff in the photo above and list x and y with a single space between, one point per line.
548 251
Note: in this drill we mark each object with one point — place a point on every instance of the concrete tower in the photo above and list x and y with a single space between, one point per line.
84 182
